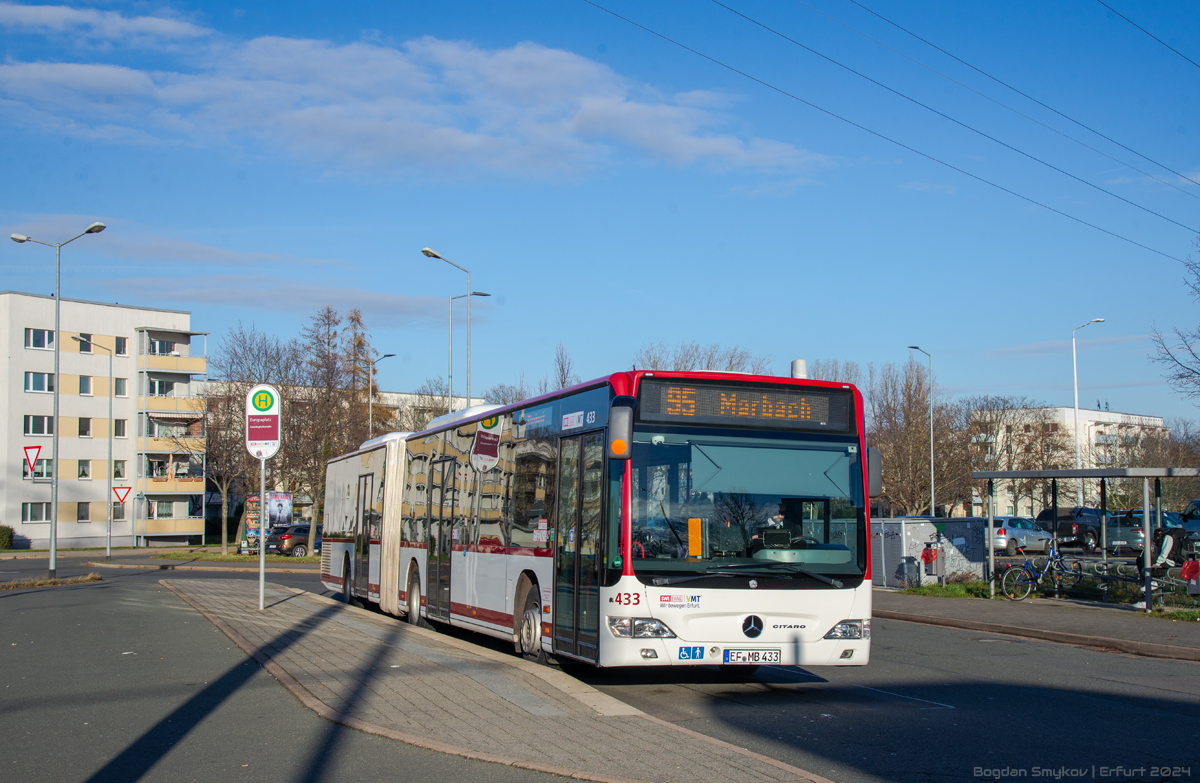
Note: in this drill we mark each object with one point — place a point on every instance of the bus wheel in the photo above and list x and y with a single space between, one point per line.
414 600
347 590
531 628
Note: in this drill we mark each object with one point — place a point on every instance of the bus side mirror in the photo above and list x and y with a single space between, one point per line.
620 427
874 472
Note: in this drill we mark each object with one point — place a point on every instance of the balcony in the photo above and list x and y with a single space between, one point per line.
194 365
174 404
181 485
182 526
171 445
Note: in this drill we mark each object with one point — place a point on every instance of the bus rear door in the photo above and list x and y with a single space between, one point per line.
440 522
362 534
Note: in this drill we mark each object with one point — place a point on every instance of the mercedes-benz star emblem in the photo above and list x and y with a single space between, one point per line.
752 626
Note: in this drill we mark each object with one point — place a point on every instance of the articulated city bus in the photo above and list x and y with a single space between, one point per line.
645 518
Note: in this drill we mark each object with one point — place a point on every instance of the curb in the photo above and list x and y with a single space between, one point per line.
166 567
1148 649
602 703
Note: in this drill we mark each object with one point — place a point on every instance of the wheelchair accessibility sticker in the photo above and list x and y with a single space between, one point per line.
691 653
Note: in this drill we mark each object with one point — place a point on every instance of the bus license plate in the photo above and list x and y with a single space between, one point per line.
752 656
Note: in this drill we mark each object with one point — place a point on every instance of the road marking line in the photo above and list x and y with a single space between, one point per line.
865 687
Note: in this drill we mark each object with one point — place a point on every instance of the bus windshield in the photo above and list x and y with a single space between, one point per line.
704 500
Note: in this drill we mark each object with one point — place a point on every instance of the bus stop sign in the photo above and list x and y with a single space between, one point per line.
262 421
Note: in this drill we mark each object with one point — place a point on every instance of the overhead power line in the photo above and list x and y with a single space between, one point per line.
1147 32
959 123
875 133
1026 95
1001 104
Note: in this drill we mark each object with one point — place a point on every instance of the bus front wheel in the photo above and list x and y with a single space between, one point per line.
531 628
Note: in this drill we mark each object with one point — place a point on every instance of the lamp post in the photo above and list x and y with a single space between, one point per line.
94 228
932 507
1075 372
111 391
371 395
449 391
430 253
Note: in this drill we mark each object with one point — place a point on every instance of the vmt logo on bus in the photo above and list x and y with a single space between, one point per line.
263 400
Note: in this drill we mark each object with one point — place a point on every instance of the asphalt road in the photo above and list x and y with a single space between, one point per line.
934 704
122 681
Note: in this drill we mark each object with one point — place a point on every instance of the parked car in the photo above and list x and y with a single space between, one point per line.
1128 530
1012 533
292 540
1077 525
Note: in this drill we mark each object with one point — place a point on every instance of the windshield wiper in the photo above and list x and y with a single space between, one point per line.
787 566
662 581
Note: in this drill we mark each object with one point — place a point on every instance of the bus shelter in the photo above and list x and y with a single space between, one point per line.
1103 475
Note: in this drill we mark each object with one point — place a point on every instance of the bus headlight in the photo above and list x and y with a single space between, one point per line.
850 629
639 628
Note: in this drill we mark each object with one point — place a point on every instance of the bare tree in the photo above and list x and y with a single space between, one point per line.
690 356
430 403
992 421
507 394
564 369
1179 353
836 371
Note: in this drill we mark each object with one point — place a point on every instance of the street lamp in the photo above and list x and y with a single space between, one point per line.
430 253
94 228
1075 372
450 388
932 507
111 391
371 395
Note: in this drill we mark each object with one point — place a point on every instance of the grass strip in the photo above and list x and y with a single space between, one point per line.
978 589
18 584
213 556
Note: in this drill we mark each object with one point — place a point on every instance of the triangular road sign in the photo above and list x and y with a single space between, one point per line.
32 460
121 493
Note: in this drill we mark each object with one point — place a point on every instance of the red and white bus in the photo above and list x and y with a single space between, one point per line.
645 518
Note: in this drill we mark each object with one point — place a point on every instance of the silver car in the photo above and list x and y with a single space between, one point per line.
1014 532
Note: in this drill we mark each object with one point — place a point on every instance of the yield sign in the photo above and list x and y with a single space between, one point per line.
32 459
121 493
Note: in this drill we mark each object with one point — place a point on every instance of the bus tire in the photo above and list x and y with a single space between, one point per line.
531 628
414 600
347 588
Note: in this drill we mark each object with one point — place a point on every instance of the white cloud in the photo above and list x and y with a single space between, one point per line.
425 106
93 24
269 293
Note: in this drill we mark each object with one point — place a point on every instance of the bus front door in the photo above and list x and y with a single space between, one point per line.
439 538
362 534
577 545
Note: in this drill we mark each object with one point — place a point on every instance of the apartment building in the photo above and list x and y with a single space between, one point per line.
157 427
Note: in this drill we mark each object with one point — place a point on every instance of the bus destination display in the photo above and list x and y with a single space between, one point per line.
780 407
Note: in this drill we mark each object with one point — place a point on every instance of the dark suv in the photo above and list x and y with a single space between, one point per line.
292 540
1077 525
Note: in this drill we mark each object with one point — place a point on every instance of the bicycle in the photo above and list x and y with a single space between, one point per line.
1018 582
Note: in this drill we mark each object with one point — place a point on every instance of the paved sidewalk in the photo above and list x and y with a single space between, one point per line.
384 676
1058 620
149 562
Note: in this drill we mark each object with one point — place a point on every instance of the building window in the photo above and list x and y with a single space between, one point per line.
118 512
160 509
85 343
162 347
85 468
35 512
42 468
39 381
118 468
121 387
1010 511
119 428
85 427
39 425
157 468
83 512
161 388
85 384
121 346
39 338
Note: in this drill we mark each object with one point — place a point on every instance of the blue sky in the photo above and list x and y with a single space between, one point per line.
609 187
